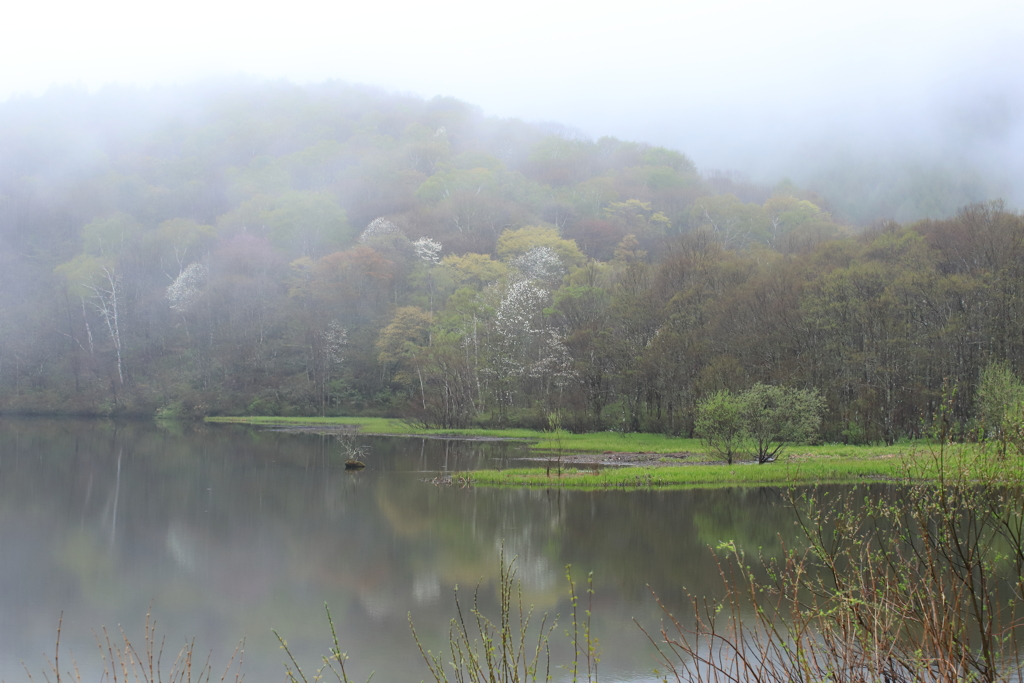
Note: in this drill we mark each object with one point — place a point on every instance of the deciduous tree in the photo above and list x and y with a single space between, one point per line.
720 424
775 417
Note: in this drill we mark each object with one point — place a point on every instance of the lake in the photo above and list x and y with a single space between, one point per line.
225 532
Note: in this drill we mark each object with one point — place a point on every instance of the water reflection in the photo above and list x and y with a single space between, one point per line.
227 532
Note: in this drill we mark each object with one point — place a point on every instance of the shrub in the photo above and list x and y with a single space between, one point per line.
720 424
764 419
775 417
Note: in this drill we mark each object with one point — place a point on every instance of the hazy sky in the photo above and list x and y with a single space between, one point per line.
716 78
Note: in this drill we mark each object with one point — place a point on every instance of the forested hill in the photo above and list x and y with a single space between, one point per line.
321 250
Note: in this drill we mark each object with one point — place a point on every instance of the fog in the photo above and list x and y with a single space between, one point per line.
827 94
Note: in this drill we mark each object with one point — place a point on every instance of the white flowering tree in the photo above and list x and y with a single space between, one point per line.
517 314
542 264
554 367
379 227
428 250
518 324
183 293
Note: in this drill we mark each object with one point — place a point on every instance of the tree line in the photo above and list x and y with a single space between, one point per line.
330 250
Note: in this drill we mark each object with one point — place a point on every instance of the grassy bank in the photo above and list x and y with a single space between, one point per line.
825 470
803 464
962 462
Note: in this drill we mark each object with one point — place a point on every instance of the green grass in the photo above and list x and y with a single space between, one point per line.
965 463
783 473
369 425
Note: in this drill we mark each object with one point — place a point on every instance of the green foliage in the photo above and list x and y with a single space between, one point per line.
699 475
507 649
82 274
475 270
298 223
638 217
702 284
444 185
775 417
513 243
404 336
1000 403
145 662
108 237
733 222
178 242
677 161
401 346
334 662
764 418
889 585
590 442
720 424
999 398
171 411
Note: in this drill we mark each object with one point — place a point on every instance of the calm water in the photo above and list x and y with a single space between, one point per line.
228 532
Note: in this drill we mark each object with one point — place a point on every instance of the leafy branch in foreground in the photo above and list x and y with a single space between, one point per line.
919 584
508 651
122 661
294 674
589 643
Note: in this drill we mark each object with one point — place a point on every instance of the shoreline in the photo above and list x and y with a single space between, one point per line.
612 460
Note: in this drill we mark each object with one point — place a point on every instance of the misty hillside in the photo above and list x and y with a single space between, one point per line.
439 165
269 248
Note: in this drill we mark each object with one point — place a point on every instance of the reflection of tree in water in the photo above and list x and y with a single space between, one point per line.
629 539
232 531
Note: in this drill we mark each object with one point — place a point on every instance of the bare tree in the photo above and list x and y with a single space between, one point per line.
105 297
